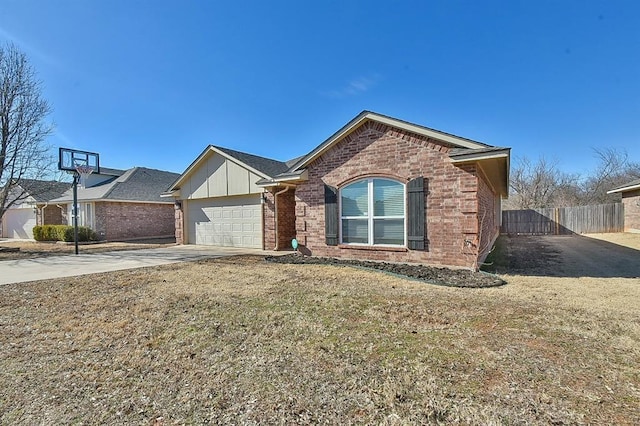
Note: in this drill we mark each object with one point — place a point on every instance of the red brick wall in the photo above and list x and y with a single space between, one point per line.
122 221
631 201
286 220
50 215
269 224
179 222
488 219
377 149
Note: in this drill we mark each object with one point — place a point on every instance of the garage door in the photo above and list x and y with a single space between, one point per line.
225 221
18 223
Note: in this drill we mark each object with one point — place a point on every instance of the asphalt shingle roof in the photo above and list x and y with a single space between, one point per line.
136 184
44 190
632 183
266 165
142 184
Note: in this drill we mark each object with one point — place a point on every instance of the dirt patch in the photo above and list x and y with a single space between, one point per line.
430 274
13 250
595 255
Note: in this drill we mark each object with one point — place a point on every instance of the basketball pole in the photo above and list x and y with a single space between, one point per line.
76 176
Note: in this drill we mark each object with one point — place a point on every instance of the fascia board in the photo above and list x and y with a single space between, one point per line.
624 189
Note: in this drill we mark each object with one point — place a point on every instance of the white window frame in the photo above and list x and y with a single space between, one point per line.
84 219
370 216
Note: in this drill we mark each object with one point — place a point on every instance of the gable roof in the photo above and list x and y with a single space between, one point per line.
365 116
137 184
44 190
264 167
494 160
629 186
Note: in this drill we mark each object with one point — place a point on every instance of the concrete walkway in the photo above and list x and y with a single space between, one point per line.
44 268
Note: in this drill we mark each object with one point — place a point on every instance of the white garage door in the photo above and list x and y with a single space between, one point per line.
225 221
18 223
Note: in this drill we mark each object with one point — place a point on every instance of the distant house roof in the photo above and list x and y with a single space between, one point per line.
137 184
44 190
629 186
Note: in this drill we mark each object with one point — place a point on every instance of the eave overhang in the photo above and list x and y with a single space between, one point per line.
495 165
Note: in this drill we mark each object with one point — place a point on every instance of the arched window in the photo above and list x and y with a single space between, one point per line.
372 212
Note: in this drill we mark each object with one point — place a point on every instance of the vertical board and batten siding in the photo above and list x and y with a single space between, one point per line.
220 177
564 220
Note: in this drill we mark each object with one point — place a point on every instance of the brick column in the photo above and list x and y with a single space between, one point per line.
179 214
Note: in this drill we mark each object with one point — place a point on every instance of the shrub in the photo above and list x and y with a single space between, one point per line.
37 233
84 234
62 233
49 232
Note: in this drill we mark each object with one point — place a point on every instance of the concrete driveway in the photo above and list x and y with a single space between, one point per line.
43 268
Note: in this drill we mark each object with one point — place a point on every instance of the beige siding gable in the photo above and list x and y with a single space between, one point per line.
217 170
220 177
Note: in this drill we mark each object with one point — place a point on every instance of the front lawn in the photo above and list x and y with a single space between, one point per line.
240 340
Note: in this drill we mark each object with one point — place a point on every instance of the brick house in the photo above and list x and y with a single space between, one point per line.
631 200
122 204
379 188
30 207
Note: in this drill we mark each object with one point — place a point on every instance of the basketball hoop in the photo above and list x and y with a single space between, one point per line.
83 172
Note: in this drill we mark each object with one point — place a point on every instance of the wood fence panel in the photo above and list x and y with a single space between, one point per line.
564 220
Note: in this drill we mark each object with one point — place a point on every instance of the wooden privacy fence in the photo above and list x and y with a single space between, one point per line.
564 220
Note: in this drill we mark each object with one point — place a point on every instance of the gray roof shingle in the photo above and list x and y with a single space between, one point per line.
632 183
44 190
265 165
136 184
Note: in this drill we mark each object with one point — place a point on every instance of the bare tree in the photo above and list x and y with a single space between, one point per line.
614 169
23 130
539 184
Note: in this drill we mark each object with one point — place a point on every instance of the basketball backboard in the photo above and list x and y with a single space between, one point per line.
70 159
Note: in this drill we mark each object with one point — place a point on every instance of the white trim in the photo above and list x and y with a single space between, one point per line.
370 218
471 157
624 189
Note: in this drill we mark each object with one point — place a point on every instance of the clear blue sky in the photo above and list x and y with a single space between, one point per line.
152 83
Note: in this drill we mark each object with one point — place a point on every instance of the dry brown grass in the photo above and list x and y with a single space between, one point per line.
627 239
239 340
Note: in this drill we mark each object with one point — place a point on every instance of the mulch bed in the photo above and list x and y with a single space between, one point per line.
429 274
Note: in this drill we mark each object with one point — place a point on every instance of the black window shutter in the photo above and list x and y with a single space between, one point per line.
416 214
331 215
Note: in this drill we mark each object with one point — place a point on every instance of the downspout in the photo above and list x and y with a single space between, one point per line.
275 208
42 213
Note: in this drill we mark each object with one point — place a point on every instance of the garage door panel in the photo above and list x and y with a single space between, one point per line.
230 221
19 223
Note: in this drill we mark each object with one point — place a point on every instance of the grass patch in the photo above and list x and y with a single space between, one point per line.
498 259
240 340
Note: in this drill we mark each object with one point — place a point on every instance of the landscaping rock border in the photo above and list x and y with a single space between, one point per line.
430 274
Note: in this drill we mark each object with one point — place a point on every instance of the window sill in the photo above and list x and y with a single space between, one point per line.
372 248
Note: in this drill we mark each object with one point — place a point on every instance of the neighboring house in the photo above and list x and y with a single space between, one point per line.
123 204
33 208
631 200
379 188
